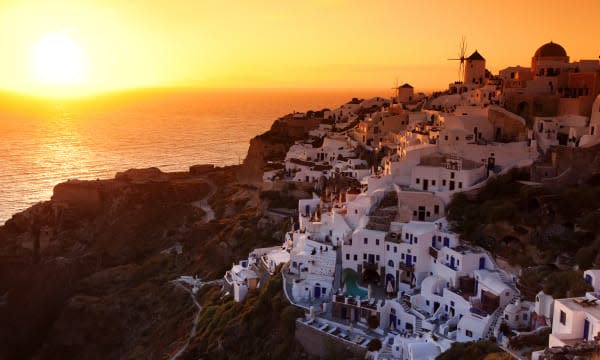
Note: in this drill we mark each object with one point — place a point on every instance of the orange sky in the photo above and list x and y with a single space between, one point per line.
275 43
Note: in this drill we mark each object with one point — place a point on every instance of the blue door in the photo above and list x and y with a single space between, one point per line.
452 262
408 260
586 329
317 292
446 242
393 320
482 263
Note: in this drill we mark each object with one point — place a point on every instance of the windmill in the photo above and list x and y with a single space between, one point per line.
396 90
462 50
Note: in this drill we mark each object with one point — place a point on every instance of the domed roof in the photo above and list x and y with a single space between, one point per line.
550 50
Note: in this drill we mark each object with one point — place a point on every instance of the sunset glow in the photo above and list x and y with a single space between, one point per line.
57 60
114 45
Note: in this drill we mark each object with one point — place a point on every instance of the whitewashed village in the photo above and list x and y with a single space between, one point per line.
371 254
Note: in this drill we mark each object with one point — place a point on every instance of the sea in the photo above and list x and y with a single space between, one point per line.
45 142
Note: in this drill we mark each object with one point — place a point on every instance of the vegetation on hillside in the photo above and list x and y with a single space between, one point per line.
474 350
260 327
546 231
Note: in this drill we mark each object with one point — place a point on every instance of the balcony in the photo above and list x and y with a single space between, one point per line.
406 267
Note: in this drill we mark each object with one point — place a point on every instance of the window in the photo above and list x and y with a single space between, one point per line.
390 263
387 247
436 209
364 256
376 241
428 214
444 182
416 240
460 185
468 333
446 137
451 303
517 318
452 175
377 257
525 316
402 256
356 211
406 236
427 302
347 256
505 316
418 180
457 262
414 259
563 318
432 182
457 138
355 257
395 249
366 241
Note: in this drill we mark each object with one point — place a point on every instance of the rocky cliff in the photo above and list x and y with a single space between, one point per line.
89 274
273 146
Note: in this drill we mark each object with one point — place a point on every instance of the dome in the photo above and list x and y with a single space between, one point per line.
550 50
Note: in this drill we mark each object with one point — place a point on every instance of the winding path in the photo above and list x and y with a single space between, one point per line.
179 283
209 213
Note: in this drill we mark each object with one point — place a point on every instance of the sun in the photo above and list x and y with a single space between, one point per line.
57 59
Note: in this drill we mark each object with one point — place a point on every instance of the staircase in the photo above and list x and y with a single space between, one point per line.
386 352
418 325
494 327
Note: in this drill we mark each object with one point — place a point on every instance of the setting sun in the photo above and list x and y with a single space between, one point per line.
56 59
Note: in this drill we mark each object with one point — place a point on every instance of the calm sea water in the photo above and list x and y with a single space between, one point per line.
44 143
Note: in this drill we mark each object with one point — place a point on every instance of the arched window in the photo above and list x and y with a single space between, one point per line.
391 263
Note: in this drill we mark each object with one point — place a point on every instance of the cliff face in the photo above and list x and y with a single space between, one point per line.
89 273
273 145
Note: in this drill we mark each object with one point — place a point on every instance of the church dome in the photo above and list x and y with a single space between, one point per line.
550 50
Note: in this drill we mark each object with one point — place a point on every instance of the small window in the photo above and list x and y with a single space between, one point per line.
395 249
428 214
402 256
416 240
377 257
418 180
432 182
451 303
436 209
468 333
347 256
460 185
376 241
364 256
446 137
444 182
366 241
355 257
427 302
406 236
452 175
414 259
391 263
387 247
563 317
457 138
525 316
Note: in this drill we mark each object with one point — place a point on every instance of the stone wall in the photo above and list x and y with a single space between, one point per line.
511 127
319 344
564 165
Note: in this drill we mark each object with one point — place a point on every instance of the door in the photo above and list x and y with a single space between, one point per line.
425 184
421 213
317 292
481 263
408 260
446 242
586 329
451 185
452 262
393 321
